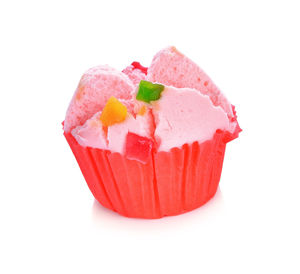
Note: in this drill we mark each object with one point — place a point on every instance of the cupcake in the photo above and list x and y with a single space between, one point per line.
150 142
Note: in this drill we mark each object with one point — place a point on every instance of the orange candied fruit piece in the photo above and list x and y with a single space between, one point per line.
142 110
114 112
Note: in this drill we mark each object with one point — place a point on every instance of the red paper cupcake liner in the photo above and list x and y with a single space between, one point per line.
170 183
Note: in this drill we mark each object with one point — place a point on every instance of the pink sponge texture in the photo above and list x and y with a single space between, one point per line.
94 89
136 72
170 67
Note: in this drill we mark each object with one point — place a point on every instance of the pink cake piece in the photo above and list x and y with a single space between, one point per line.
96 86
183 116
172 68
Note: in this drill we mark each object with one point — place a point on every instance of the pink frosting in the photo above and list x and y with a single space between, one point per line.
185 116
91 134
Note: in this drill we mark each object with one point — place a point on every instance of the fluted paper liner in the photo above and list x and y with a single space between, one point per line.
170 183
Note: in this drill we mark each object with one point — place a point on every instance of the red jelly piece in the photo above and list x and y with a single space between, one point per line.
137 65
138 147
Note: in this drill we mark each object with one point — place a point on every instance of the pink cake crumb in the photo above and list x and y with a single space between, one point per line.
96 86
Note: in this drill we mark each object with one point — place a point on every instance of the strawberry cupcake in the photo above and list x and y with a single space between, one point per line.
150 142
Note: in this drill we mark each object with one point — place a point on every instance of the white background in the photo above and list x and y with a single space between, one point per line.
50 222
